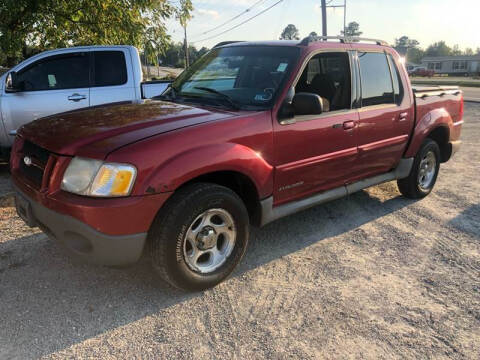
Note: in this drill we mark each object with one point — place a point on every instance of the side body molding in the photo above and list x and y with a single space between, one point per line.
271 213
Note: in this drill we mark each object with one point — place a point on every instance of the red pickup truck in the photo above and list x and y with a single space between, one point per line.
250 133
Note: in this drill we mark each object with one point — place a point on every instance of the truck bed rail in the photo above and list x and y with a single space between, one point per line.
425 91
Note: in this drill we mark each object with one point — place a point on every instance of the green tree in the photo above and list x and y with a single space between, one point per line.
290 33
175 54
438 49
468 52
456 50
47 24
353 29
17 18
415 55
409 48
184 15
404 43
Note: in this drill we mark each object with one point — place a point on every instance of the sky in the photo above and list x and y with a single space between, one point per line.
427 21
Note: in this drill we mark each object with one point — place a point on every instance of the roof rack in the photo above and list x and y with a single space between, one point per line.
342 39
226 43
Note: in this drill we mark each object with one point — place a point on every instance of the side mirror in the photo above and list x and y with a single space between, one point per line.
307 104
286 110
11 85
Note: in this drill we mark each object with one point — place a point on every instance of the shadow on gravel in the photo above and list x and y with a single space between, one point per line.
468 221
48 302
7 201
5 187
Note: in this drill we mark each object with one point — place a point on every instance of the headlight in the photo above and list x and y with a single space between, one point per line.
96 178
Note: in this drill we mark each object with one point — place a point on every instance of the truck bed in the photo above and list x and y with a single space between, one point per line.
427 98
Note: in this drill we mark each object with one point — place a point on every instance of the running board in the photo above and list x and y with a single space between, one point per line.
270 213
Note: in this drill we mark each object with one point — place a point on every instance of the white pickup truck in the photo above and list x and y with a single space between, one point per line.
68 79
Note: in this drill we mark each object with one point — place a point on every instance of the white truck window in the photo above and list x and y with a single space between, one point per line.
70 71
110 68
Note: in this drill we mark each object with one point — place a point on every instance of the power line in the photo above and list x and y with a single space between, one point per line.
240 24
234 17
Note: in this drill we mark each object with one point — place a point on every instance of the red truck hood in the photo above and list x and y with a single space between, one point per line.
98 131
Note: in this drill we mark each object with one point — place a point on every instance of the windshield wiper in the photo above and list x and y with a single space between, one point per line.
231 102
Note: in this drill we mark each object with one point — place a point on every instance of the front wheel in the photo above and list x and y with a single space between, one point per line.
199 236
423 175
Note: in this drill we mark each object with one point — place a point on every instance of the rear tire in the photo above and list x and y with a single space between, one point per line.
199 237
423 175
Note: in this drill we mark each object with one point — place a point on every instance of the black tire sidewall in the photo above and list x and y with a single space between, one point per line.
179 271
429 145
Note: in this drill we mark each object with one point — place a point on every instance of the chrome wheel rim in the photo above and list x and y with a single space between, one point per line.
426 173
209 240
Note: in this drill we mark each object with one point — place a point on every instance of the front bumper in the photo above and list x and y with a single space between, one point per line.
79 239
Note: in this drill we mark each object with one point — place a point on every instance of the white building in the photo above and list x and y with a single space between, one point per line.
453 64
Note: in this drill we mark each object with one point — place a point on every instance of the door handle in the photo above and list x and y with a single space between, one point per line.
77 97
348 125
402 116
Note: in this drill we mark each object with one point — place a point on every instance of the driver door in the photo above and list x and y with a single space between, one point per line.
315 153
51 85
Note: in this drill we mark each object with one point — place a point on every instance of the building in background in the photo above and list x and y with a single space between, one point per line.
453 65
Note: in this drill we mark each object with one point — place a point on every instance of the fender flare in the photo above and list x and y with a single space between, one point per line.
438 118
195 162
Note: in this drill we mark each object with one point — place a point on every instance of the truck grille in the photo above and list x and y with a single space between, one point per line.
33 163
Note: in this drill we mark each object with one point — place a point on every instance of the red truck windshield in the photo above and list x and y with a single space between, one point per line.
248 76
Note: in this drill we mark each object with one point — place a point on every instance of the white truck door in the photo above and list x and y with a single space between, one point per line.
50 85
112 83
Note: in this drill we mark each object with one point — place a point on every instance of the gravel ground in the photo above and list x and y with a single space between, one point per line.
371 276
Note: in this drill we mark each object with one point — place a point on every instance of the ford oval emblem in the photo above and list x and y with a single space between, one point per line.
27 160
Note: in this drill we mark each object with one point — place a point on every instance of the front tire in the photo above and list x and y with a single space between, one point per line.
199 236
423 175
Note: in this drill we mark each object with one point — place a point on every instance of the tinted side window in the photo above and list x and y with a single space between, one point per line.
110 68
397 81
375 78
328 75
56 72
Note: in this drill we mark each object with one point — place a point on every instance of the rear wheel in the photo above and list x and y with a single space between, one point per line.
199 237
423 175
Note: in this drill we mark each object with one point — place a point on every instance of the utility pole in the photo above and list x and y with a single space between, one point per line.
324 18
185 44
147 67
324 15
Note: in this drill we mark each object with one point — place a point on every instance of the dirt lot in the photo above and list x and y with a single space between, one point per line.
372 276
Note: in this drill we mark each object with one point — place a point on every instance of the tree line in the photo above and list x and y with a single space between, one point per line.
410 48
28 27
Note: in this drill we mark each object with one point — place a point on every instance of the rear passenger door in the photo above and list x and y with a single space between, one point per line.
385 115
110 80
